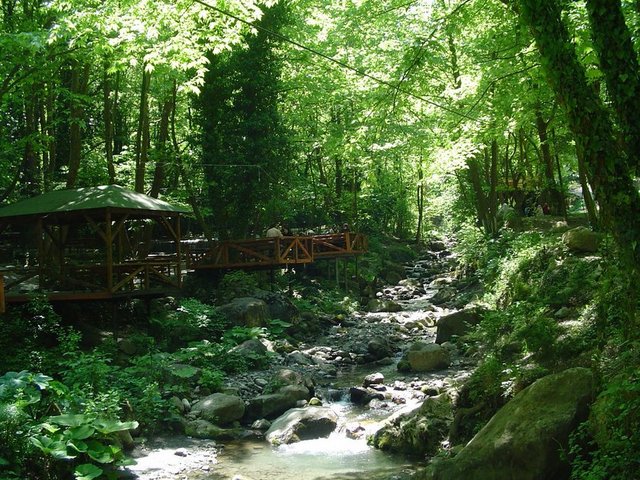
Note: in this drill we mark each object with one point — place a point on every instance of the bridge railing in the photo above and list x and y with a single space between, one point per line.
278 251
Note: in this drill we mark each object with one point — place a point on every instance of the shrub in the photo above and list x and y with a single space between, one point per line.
40 445
236 284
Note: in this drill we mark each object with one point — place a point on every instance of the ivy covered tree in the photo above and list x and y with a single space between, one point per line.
245 145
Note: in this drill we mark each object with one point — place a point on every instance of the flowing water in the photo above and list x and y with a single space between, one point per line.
336 457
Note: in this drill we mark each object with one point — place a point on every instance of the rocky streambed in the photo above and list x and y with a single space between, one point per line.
310 414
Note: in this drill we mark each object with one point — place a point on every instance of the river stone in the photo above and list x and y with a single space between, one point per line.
362 396
581 239
274 404
302 424
252 347
426 357
376 305
373 379
456 323
419 431
279 305
204 429
246 312
444 295
524 440
379 348
219 408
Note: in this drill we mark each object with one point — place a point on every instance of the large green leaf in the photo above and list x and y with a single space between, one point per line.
80 433
87 471
99 452
70 420
109 426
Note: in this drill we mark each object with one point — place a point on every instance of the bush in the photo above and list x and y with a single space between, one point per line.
191 321
606 446
236 284
37 444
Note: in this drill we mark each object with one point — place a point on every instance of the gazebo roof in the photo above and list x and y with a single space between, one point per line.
89 198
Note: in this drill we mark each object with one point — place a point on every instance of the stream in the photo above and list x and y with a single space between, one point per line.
345 453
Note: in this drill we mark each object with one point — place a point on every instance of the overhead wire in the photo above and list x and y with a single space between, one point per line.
329 58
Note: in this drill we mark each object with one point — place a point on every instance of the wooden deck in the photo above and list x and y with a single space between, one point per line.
275 252
83 278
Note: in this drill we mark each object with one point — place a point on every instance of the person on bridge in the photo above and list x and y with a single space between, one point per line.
274 232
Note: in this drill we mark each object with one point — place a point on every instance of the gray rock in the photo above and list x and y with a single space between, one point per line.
419 431
373 379
219 408
581 239
279 305
376 305
262 424
524 439
250 347
425 357
362 396
204 429
379 348
274 404
456 323
302 424
246 311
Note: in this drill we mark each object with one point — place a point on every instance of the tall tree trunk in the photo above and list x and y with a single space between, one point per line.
162 152
590 205
588 119
79 85
338 176
619 62
142 137
563 200
551 194
51 134
481 202
108 123
119 125
31 166
493 184
420 202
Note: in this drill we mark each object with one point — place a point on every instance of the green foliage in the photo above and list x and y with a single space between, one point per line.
191 321
236 284
72 438
605 447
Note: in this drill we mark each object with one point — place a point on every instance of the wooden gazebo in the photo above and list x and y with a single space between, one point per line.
93 243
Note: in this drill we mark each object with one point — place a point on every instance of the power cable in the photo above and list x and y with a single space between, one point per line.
342 64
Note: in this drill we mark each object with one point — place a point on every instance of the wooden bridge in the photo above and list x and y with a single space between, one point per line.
275 252
97 243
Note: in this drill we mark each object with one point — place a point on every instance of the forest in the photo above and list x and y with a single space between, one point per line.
488 151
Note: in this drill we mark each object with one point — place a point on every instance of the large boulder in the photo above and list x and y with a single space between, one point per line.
219 408
283 391
376 305
302 424
418 431
581 239
252 348
279 305
456 324
524 440
426 357
272 405
246 312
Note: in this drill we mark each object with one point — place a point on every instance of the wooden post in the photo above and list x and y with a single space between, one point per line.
179 250
108 240
40 255
337 273
2 302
